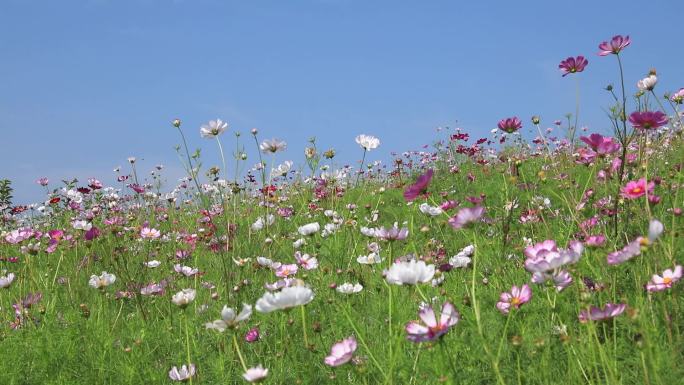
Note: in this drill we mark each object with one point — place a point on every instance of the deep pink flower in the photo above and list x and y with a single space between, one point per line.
601 144
419 187
252 335
431 329
341 352
637 189
510 125
595 240
616 44
465 216
669 277
598 314
516 298
648 119
572 65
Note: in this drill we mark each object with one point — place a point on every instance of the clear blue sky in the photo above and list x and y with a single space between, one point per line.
85 84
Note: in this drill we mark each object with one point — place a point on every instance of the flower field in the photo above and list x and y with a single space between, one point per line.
540 253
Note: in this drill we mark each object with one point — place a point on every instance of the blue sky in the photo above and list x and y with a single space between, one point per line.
85 84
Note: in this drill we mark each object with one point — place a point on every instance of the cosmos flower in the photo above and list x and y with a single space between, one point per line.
309 229
601 144
669 277
616 44
288 297
282 169
43 181
368 142
647 120
183 374
105 279
272 146
431 328
6 280
419 187
462 259
370 259
510 125
149 233
229 318
637 189
184 297
349 288
410 273
545 256
341 352
284 271
394 233
466 216
256 374
573 65
306 261
598 314
515 298
185 270
648 83
678 97
430 210
213 129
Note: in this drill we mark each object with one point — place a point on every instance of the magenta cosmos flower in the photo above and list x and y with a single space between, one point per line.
598 314
572 65
465 216
648 119
614 46
516 298
669 277
420 187
603 145
510 125
431 329
637 189
341 352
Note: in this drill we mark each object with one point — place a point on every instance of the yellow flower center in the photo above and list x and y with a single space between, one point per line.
515 301
667 280
637 190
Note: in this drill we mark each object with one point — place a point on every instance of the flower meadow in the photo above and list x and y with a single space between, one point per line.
538 253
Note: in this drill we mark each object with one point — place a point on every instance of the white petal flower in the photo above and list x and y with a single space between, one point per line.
289 297
184 297
368 142
105 279
410 273
213 129
349 288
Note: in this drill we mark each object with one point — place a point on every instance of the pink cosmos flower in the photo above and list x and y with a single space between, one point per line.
510 125
182 374
678 97
516 298
431 329
617 44
394 233
465 216
598 314
252 335
595 240
637 189
419 187
43 181
341 352
669 277
648 119
149 233
545 256
601 144
285 271
572 65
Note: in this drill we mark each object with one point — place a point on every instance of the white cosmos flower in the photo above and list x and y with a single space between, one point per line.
299 243
184 297
256 374
349 288
410 273
105 279
282 169
260 223
152 264
6 281
368 231
289 297
185 270
213 129
647 83
462 259
229 318
273 145
81 224
369 259
430 210
367 142
655 229
309 229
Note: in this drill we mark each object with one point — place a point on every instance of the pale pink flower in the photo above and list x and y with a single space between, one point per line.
598 314
669 277
341 352
515 298
430 328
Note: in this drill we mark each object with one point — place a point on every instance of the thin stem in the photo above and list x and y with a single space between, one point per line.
306 338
